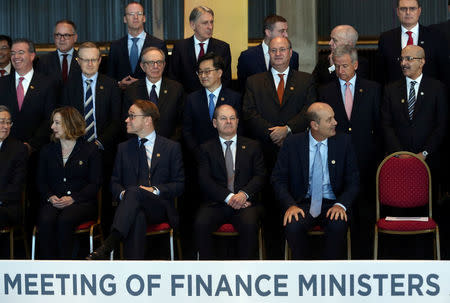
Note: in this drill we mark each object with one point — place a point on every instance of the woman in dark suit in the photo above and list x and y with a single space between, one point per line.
69 178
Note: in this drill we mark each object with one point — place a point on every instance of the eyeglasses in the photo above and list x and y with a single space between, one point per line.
152 63
205 72
224 119
20 53
408 58
65 36
281 50
405 9
3 48
92 61
132 14
132 116
6 122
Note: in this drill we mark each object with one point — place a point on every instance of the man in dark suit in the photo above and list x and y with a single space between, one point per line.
124 53
61 63
411 32
148 175
257 59
167 94
341 35
316 180
186 52
5 56
231 172
414 112
356 103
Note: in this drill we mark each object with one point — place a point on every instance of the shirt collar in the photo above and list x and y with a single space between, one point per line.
27 76
216 92
196 41
313 142
70 52
265 48
8 68
418 79
352 81
93 78
151 137
142 35
414 30
150 83
275 72
222 140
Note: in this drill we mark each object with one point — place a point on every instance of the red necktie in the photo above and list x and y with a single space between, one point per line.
348 100
20 93
410 38
280 89
2 72
202 51
65 67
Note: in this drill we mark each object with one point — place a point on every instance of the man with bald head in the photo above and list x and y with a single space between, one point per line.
414 113
410 32
316 181
341 35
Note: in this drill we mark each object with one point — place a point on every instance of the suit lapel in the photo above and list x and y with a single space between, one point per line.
163 91
13 106
357 98
332 160
99 99
124 50
31 91
156 155
221 160
404 98
260 60
420 97
133 155
191 50
270 87
305 163
339 106
290 87
57 62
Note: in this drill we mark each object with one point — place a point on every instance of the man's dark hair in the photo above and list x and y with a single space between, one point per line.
269 22
67 21
418 3
31 48
148 109
217 60
134 2
7 39
198 11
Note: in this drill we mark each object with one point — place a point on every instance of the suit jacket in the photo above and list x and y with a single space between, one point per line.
119 58
262 110
183 64
166 171
251 61
197 126
425 132
170 104
363 125
13 168
322 75
79 178
290 176
31 123
50 66
107 106
436 55
250 173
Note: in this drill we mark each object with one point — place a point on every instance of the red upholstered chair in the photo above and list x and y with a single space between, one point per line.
320 231
404 183
93 228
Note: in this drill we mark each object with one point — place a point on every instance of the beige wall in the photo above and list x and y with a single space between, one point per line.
230 24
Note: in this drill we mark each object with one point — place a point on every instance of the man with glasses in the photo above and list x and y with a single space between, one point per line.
13 160
124 54
60 63
274 106
148 175
5 56
411 32
167 94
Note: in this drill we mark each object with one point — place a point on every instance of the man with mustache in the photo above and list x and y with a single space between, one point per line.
5 56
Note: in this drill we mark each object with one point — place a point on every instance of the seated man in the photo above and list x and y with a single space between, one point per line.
316 180
148 174
231 172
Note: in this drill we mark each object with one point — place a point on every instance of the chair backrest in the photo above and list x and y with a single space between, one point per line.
403 182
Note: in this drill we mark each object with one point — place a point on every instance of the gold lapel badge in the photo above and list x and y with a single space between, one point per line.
421 93
361 90
222 99
333 162
158 155
101 86
31 86
81 162
291 88
403 101
165 91
244 147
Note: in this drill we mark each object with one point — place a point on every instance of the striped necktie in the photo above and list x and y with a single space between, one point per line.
411 100
89 113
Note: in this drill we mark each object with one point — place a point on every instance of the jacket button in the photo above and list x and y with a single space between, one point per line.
64 179
69 192
349 129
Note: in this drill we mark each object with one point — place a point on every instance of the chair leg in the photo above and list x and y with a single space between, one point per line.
172 257
437 245
286 250
375 244
11 243
260 244
180 254
111 255
25 243
33 244
349 245
91 240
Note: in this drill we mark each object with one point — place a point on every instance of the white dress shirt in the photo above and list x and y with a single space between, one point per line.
415 35
197 46
149 85
26 82
69 58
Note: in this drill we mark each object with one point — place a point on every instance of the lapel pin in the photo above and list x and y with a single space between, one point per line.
361 90
403 101
31 86
81 162
421 93
158 155
333 162
422 42
222 99
101 86
291 88
243 147
165 91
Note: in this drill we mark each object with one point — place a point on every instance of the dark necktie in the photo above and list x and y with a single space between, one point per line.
134 56
144 172
2 72
280 89
229 166
202 51
89 112
153 96
410 38
65 68
411 100
316 184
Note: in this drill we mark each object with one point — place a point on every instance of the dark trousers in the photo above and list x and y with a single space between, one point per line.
138 208
9 216
211 217
56 227
335 232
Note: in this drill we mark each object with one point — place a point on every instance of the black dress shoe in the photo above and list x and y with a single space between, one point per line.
102 253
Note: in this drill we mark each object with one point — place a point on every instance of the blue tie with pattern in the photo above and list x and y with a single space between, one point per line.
134 56
316 184
211 105
411 100
89 113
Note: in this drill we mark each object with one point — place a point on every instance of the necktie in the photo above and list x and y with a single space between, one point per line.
202 51
134 56
280 89
89 112
211 105
20 93
153 95
229 166
348 100
144 172
65 68
411 100
2 72
410 38
316 184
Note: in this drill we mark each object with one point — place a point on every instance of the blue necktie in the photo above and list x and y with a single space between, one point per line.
153 95
89 113
316 184
211 105
411 100
134 56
